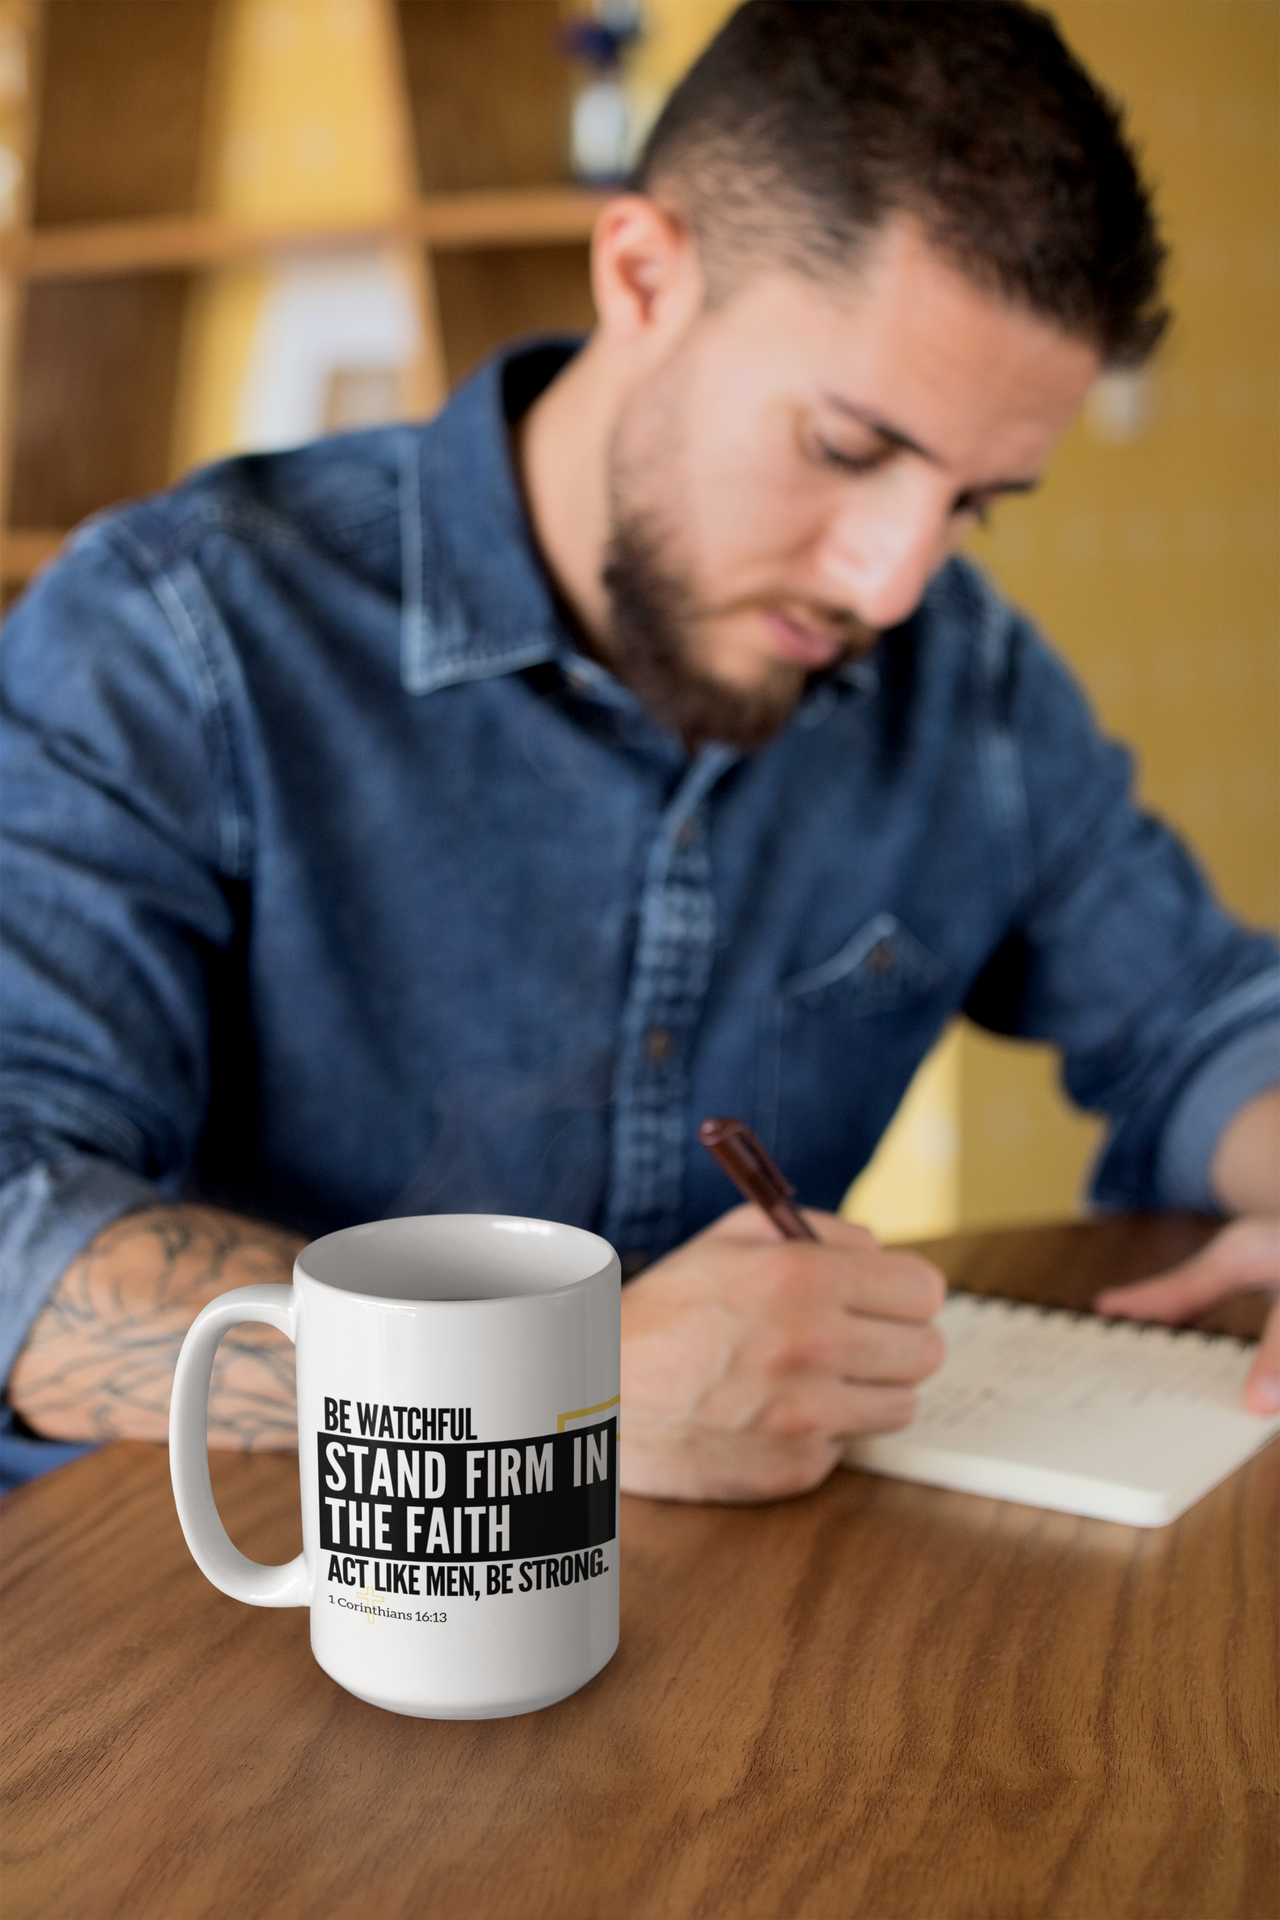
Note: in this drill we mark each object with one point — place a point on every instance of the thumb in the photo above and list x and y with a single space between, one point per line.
1184 1290
1241 1257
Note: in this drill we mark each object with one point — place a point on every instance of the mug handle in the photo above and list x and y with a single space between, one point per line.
221 1562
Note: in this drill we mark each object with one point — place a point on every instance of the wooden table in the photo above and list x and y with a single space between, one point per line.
877 1701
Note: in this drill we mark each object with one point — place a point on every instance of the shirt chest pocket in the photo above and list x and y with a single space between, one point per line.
842 1040
881 966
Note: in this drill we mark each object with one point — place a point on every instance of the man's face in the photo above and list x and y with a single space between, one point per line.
786 480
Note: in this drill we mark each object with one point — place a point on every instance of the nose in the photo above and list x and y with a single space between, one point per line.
877 555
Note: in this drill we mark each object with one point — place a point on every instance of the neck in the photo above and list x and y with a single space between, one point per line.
562 456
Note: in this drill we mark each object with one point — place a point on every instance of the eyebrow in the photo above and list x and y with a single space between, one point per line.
895 437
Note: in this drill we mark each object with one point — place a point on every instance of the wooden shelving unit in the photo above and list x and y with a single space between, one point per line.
515 217
100 263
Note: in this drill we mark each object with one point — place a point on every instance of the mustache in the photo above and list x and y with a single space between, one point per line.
831 623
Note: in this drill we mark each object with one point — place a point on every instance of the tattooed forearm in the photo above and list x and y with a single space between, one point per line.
99 1361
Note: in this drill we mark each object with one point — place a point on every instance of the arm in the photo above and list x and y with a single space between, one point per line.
98 1364
1166 1010
1164 1007
126 852
747 1361
1243 1258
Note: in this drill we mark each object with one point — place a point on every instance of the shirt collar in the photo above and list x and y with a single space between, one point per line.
475 599
476 602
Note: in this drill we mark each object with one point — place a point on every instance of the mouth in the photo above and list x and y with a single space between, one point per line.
805 643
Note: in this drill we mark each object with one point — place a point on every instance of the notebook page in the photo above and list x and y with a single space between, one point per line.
1111 1418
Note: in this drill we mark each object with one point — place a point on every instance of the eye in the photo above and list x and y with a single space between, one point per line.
849 462
975 506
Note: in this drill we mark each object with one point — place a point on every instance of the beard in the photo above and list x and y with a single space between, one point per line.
654 616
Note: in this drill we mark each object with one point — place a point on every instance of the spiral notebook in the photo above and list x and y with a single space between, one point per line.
1108 1418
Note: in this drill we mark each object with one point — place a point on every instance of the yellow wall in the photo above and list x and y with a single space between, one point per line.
676 32
1152 563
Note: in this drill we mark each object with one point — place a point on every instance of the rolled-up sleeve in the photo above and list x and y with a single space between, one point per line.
1228 1078
114 896
48 1215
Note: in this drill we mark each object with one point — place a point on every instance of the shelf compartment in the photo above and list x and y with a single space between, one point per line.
489 92
96 380
121 117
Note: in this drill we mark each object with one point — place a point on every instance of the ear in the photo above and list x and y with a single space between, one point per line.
644 272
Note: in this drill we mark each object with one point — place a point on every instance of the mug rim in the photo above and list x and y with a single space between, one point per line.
515 1221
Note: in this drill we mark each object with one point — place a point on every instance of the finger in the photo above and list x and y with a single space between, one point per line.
798 1276
834 1410
752 1224
1200 1282
1169 1297
845 1346
889 1350
892 1286
1243 1256
1262 1388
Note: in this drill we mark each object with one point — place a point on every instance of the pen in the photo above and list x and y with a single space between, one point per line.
754 1174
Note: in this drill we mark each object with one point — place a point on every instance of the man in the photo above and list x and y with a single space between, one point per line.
448 818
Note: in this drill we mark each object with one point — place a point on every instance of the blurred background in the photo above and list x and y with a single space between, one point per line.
230 224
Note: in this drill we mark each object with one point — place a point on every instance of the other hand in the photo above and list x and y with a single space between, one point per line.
1243 1258
748 1360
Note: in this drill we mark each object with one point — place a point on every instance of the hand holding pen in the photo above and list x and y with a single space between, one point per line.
753 1352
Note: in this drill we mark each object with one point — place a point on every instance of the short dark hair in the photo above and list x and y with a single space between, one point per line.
807 124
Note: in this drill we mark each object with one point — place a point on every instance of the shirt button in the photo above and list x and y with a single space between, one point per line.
880 959
687 834
657 1044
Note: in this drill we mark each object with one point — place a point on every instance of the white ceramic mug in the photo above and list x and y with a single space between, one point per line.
458 1386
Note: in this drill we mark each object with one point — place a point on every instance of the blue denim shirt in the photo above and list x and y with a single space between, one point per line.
339 884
